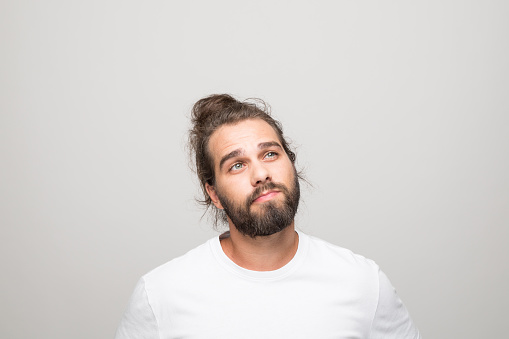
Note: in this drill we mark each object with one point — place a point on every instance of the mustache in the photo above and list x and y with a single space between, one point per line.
266 187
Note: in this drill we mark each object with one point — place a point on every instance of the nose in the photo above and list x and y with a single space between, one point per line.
260 174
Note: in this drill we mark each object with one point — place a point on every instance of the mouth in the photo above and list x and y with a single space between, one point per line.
266 196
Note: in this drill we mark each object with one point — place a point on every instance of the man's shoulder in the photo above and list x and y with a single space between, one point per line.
184 265
336 256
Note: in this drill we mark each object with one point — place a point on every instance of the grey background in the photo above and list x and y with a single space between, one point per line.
399 112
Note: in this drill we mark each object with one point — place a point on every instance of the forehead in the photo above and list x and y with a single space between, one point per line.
244 134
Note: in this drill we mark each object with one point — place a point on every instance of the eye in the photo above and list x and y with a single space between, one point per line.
237 166
271 155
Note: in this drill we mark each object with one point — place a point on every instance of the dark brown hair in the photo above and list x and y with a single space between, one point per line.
212 112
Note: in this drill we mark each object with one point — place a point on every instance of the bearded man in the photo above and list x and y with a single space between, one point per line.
262 278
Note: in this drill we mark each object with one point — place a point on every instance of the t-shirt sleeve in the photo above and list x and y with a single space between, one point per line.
391 320
139 321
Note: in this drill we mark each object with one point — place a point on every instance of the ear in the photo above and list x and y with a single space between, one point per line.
213 196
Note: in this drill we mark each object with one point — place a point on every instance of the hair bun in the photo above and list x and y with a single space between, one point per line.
209 107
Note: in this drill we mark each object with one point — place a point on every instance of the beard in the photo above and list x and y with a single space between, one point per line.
271 217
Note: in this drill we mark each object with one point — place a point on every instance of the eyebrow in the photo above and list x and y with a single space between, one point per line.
239 151
269 144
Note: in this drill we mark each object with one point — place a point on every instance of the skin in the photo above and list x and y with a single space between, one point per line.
254 156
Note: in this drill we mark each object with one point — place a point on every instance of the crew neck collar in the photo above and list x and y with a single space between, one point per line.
244 273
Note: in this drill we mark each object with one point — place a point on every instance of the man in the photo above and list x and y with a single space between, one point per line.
262 279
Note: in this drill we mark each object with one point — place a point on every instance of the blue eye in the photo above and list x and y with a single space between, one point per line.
237 166
270 155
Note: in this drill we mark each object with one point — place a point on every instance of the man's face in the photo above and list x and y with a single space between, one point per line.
256 183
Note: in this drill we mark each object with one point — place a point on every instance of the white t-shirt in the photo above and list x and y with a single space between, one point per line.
325 291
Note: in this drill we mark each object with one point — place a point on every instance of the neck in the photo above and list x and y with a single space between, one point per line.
262 253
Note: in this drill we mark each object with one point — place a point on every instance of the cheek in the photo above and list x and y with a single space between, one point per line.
287 173
234 189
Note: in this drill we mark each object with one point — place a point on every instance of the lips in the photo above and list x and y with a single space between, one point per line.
265 196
